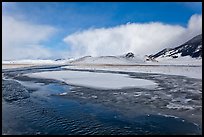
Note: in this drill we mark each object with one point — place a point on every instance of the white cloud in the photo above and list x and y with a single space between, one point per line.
139 38
23 40
194 25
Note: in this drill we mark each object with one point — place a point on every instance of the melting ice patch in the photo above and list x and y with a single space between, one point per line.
178 106
62 94
95 80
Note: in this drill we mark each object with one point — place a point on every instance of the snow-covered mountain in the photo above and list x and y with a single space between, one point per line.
192 48
126 59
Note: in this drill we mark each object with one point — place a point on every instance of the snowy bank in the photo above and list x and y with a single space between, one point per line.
188 71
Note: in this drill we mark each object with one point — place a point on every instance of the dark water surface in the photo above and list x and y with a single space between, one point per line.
46 112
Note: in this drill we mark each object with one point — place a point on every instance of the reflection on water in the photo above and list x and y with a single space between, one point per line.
43 113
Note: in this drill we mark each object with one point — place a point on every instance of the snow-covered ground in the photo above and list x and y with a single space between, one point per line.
189 71
187 60
184 66
95 80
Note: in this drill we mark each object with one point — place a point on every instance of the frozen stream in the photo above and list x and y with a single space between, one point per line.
173 104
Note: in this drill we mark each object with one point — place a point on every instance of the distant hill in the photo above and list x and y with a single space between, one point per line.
126 59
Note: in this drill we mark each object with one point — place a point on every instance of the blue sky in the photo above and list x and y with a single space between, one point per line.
71 17
82 15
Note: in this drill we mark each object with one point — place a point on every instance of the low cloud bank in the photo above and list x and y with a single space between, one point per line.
140 38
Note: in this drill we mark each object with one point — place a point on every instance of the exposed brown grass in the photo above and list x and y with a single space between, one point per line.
7 66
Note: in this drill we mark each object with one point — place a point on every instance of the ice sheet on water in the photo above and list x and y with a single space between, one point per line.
96 80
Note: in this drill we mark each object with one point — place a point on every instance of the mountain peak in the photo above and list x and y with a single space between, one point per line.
197 39
192 48
129 55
